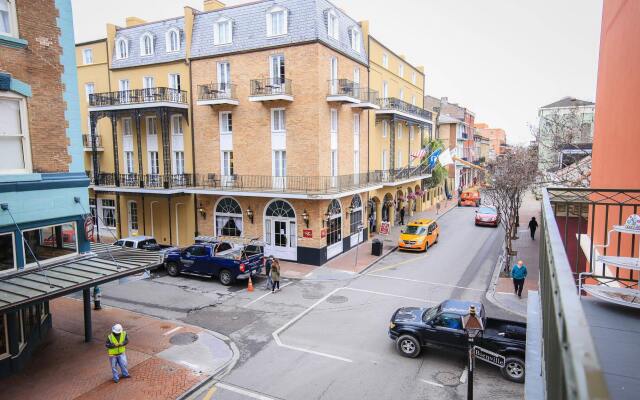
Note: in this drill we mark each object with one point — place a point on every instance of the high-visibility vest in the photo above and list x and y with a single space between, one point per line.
117 342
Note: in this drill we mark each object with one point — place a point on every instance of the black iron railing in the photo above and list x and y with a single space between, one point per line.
366 95
392 103
138 96
86 141
130 180
271 87
343 87
217 91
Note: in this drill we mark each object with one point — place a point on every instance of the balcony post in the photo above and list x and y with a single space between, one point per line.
166 146
137 115
392 143
114 133
93 120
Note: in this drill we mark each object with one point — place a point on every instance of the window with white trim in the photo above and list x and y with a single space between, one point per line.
356 39
385 60
8 18
356 76
108 207
414 77
87 54
277 21
401 70
178 162
222 32
334 162
402 94
172 40
333 25
122 48
174 81
126 127
412 132
278 123
399 159
15 151
154 164
413 99
176 124
356 124
146 44
152 128
89 88
279 163
385 89
128 162
133 215
226 125
385 157
227 163
7 260
334 120
399 129
385 128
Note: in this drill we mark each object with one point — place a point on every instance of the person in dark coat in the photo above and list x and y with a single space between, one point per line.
268 261
533 225
275 275
402 216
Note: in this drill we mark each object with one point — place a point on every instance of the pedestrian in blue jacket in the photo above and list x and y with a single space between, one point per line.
518 273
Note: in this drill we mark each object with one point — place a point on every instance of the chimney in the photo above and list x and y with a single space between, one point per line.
211 5
444 100
133 21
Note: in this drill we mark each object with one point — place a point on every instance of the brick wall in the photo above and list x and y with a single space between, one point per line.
38 65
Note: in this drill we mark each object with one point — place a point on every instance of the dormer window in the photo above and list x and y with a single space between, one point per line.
8 20
356 39
173 40
222 32
146 44
276 21
122 48
333 25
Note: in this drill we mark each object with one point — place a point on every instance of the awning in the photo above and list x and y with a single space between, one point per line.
467 163
105 263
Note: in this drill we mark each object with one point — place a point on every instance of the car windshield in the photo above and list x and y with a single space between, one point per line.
486 210
429 314
415 230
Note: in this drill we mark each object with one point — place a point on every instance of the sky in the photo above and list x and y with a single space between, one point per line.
502 59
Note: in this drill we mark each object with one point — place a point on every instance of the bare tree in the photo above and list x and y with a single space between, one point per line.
510 176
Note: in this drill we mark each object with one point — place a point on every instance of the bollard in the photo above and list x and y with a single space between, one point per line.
97 295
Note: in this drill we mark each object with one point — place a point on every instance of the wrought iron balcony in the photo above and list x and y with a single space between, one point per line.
343 91
271 89
217 94
145 181
139 98
88 146
392 105
367 99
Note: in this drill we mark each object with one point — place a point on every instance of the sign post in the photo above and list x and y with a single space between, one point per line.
473 325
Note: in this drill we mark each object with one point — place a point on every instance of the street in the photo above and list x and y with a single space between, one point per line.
327 339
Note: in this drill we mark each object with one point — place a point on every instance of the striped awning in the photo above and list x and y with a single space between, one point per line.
105 263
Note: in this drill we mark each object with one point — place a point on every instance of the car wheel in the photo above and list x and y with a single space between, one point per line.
408 346
225 277
172 269
513 369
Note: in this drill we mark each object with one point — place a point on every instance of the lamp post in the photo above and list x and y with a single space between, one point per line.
473 325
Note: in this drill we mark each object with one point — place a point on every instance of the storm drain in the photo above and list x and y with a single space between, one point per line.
183 338
337 299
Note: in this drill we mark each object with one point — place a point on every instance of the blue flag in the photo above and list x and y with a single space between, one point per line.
434 157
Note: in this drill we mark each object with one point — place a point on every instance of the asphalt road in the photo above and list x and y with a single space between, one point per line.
327 339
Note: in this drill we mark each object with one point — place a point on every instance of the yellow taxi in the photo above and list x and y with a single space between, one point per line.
419 235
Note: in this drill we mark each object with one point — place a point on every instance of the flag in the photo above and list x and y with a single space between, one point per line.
445 158
434 157
420 153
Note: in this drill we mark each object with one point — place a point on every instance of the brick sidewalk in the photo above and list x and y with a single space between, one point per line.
65 367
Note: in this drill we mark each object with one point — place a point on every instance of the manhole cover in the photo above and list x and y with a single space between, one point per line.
337 299
447 378
183 338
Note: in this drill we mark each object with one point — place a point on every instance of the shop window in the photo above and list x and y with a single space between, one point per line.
7 253
355 218
51 242
334 223
228 218
15 150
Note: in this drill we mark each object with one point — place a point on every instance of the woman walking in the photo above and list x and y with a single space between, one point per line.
268 261
275 275
518 273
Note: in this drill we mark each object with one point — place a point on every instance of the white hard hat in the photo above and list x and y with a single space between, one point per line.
117 328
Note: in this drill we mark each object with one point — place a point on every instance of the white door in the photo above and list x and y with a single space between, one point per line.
123 85
148 88
132 217
277 74
224 76
279 169
280 235
334 75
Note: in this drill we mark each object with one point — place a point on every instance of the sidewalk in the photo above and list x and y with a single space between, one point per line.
529 252
165 358
345 264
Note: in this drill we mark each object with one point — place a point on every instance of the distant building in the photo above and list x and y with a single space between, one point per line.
497 139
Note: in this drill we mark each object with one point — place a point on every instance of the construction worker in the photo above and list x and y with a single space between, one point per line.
116 342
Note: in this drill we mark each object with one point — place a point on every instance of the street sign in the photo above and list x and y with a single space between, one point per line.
489 356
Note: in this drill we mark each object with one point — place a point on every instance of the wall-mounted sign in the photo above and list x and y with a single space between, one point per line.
88 227
384 228
323 233
307 233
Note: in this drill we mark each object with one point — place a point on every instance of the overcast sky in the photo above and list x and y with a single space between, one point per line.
501 59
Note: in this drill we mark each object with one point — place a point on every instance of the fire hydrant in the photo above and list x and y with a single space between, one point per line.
96 298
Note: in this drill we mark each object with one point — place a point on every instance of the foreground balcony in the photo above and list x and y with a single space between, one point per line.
138 98
367 99
394 106
88 146
143 181
271 89
215 94
343 91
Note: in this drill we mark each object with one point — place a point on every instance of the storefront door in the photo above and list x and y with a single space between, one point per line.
281 238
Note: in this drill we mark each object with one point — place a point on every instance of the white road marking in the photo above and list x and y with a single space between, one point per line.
465 373
243 391
265 295
426 282
506 293
432 383
177 328
398 264
389 294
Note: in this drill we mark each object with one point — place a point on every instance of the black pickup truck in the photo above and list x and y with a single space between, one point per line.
503 342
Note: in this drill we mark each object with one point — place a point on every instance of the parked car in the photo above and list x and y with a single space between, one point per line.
419 235
487 216
143 242
221 259
414 328
469 198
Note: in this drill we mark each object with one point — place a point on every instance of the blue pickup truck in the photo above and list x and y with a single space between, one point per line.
222 259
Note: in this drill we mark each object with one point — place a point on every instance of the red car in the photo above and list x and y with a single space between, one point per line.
487 216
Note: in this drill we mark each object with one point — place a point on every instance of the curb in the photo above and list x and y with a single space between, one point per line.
490 294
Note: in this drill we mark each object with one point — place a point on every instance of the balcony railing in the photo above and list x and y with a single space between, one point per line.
343 87
271 87
217 92
392 103
86 141
138 96
366 95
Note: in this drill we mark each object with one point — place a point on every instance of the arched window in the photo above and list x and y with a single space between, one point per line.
334 222
355 218
280 228
146 44
228 216
387 204
280 208
173 40
122 48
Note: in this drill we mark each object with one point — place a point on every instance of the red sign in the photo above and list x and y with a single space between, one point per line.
307 233
384 228
323 233
88 228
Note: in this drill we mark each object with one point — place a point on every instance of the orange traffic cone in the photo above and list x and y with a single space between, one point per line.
250 287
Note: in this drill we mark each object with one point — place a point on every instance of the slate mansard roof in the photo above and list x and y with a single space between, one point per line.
306 21
158 31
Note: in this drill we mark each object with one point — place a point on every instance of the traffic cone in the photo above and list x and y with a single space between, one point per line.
250 287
